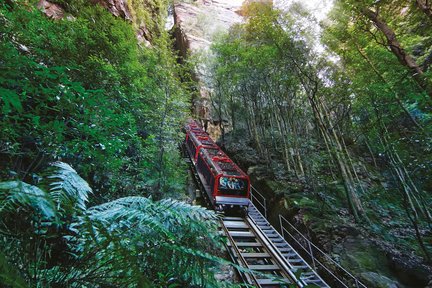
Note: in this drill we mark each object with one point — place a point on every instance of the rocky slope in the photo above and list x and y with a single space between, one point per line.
198 22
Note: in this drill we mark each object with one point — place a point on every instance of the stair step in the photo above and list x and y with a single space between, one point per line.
248 244
314 281
233 219
290 255
285 250
261 223
298 260
307 275
300 267
266 227
235 224
278 240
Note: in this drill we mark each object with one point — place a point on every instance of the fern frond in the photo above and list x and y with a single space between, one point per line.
127 213
182 209
9 276
68 189
16 194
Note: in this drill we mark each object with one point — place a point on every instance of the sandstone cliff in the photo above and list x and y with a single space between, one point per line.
197 23
148 18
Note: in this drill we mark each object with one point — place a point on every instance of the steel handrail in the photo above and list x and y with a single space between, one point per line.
262 203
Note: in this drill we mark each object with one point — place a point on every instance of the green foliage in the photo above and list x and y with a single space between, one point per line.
81 89
67 189
348 128
264 73
125 242
10 276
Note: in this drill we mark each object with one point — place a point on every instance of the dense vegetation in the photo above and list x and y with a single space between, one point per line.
340 137
83 91
51 239
349 129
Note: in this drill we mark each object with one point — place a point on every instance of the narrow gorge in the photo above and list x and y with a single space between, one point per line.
324 104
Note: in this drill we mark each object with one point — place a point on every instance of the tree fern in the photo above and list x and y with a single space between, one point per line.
149 231
68 189
122 243
16 194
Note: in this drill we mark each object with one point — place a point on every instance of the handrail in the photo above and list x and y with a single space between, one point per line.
262 203
258 199
308 250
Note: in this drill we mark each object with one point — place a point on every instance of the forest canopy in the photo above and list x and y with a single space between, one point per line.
350 127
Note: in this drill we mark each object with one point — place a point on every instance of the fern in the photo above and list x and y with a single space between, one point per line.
142 214
16 194
9 275
68 189
150 230
120 243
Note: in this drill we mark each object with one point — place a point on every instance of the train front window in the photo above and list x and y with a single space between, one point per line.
233 186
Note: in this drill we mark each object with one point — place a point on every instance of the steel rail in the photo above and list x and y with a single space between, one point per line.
250 250
246 277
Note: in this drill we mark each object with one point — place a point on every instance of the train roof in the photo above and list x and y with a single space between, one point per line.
192 125
222 163
198 135
202 139
217 158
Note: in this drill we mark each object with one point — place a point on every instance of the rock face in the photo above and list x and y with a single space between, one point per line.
118 8
52 10
197 23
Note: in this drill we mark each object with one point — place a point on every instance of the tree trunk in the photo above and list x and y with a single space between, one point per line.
404 58
424 6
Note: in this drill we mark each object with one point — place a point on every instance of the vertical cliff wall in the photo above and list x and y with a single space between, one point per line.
196 25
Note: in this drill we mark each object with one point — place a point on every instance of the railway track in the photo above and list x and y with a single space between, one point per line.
256 246
267 260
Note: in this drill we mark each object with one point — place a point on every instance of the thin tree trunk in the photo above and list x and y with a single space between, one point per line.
371 152
424 6
404 58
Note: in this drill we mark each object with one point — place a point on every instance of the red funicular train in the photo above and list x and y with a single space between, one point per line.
226 185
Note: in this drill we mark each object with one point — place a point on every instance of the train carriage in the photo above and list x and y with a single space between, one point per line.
196 139
225 184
